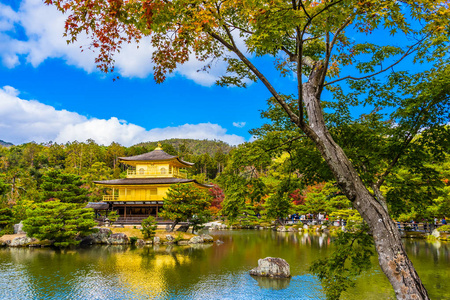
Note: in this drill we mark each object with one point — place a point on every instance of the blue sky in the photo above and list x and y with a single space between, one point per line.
50 91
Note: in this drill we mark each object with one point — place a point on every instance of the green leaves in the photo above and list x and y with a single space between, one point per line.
63 186
59 222
351 256
184 202
239 72
149 226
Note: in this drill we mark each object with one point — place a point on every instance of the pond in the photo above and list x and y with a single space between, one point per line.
200 272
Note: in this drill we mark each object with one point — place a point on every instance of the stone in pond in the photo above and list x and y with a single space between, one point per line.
272 267
196 240
207 238
140 243
117 239
22 241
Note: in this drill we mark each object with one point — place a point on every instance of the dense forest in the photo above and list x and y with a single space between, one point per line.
275 176
195 147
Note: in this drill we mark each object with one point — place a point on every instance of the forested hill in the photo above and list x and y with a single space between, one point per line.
5 144
195 147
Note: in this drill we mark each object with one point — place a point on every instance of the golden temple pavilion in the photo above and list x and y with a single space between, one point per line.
149 177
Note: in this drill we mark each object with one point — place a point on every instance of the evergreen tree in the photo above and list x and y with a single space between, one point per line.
149 226
59 222
278 205
185 202
63 186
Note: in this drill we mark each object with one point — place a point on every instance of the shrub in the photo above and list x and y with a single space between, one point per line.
59 222
112 216
6 221
133 240
148 227
444 228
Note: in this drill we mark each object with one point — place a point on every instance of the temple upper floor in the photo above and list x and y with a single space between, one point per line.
154 170
154 164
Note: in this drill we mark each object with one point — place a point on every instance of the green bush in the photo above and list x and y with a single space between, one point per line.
112 216
444 228
59 222
179 237
148 227
133 240
6 221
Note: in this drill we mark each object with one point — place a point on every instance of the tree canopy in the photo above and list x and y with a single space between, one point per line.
186 203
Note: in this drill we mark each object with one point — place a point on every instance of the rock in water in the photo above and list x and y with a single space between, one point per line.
272 267
22 241
170 239
207 238
436 234
118 239
196 240
99 237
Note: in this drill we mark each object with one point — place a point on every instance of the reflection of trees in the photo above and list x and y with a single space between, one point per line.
154 271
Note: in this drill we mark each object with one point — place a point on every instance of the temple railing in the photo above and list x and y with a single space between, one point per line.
110 198
155 174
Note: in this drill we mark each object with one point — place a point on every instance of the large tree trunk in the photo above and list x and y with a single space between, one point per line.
391 254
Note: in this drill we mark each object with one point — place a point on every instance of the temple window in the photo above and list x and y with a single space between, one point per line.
163 171
141 171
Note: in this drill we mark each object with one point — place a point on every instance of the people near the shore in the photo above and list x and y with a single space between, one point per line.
435 221
444 222
414 223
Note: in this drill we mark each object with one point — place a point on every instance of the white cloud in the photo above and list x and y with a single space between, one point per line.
43 27
11 91
239 124
29 120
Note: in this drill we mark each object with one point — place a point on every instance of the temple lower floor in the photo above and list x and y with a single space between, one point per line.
136 209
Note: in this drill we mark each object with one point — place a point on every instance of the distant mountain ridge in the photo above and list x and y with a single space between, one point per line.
196 147
5 144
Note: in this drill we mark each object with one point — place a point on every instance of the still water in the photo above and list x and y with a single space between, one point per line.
200 272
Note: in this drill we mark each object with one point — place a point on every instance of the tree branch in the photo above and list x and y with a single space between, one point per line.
294 118
304 9
407 141
287 142
410 50
329 49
